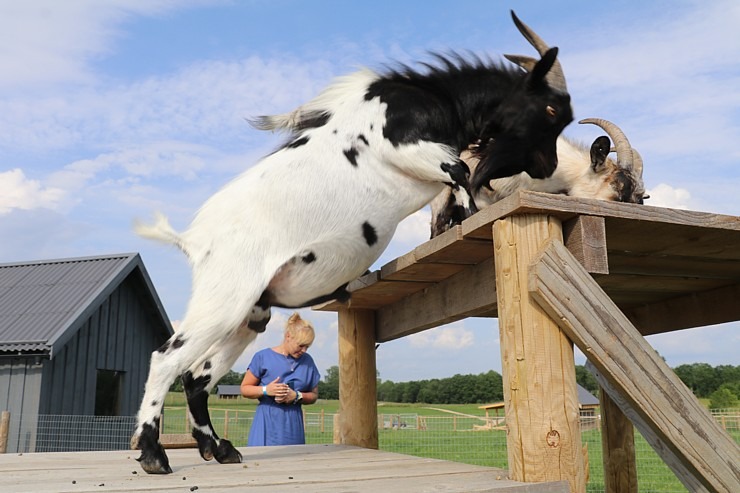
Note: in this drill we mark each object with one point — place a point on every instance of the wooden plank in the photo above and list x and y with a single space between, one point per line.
540 393
642 379
585 237
715 306
657 238
420 272
478 226
177 440
4 431
305 468
618 447
469 293
358 421
644 264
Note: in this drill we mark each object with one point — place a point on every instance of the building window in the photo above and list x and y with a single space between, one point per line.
108 393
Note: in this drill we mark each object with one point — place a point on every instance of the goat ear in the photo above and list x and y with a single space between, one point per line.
542 67
599 151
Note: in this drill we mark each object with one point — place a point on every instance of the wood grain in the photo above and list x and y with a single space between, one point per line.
541 401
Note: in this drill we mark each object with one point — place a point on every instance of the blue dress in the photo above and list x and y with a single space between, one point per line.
281 424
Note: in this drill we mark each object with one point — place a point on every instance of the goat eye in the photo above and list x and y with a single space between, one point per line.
551 111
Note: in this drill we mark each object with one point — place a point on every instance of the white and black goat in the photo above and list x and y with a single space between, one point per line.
581 172
303 222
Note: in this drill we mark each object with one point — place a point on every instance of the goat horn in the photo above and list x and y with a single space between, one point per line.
625 155
555 77
637 162
526 62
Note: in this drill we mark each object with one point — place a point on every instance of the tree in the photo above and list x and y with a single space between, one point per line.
329 386
722 398
585 379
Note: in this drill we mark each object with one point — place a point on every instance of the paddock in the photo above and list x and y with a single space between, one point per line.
310 468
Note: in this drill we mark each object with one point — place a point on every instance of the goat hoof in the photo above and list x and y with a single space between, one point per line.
153 458
154 463
206 444
226 453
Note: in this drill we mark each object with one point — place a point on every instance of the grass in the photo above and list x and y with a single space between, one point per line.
442 437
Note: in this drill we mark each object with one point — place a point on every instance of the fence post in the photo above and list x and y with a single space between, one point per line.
226 423
4 431
322 420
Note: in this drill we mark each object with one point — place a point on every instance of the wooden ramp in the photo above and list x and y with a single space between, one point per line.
304 468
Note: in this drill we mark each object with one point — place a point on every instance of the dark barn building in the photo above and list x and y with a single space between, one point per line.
76 336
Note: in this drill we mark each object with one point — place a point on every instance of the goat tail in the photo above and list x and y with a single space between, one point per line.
284 121
160 230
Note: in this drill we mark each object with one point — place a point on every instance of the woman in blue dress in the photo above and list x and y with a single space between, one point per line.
283 378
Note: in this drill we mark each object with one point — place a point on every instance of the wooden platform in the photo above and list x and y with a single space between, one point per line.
666 269
305 468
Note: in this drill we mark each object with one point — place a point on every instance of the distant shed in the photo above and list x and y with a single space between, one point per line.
76 336
228 391
587 403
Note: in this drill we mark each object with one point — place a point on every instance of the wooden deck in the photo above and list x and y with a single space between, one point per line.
305 468
666 269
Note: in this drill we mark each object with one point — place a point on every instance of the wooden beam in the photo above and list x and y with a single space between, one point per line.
471 292
645 386
177 440
540 393
618 447
358 421
585 237
710 307
4 431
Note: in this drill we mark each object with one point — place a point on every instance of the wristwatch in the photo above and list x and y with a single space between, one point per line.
298 397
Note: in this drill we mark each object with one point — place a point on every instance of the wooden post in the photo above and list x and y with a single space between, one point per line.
322 420
540 393
357 379
618 444
226 423
4 431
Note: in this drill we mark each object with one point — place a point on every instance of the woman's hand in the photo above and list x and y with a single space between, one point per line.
280 391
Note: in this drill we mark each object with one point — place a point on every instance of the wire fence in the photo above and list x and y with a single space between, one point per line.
468 439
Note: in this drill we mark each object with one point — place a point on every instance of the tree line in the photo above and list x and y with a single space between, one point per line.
459 389
720 384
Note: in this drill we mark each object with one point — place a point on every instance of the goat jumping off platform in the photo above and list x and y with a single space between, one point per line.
298 226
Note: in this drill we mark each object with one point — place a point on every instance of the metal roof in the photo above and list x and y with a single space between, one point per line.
585 399
40 301
229 390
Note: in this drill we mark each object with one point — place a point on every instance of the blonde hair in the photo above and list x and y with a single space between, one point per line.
300 330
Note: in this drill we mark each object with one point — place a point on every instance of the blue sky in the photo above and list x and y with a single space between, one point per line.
111 110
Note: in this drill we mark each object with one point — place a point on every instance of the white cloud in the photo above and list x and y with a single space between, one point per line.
47 41
19 192
454 336
414 230
664 195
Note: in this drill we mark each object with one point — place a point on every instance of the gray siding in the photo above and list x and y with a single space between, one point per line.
119 336
20 381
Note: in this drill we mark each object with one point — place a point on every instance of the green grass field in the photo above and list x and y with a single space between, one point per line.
449 432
